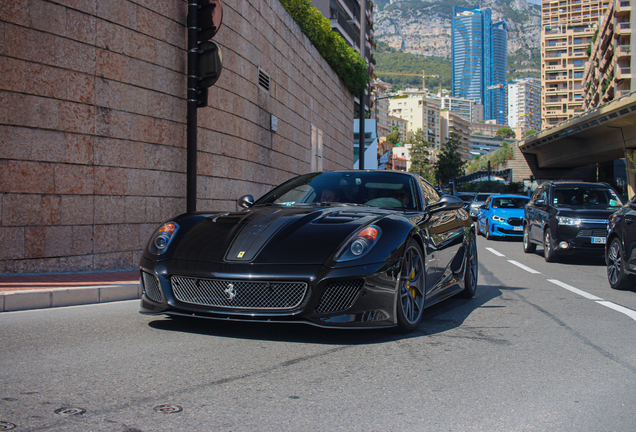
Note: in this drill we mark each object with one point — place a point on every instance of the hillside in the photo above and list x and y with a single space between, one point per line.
422 29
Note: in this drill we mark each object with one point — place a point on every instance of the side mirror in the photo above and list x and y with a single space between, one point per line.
540 202
483 206
246 201
446 202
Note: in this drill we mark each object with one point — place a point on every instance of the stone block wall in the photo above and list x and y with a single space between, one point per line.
93 113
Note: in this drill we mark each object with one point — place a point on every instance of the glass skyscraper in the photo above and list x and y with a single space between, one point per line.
480 60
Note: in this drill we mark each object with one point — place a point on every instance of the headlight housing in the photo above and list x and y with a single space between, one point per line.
359 244
498 218
162 238
564 220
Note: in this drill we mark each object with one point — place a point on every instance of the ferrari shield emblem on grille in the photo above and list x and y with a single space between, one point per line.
231 293
240 254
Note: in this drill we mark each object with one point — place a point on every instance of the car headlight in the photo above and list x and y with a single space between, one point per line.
162 237
359 244
563 220
498 218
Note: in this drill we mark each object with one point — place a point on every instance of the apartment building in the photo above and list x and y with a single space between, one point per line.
467 108
524 105
420 112
380 106
608 74
567 29
452 122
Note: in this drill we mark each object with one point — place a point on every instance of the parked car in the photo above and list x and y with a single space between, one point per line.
467 197
620 250
502 216
332 249
568 217
477 202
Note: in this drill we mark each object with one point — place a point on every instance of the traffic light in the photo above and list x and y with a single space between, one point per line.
209 60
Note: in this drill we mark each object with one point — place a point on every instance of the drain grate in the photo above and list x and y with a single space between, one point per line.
167 409
69 411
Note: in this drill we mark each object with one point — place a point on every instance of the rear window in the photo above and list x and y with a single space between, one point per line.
481 197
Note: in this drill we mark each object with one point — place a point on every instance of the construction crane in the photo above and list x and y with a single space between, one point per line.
423 75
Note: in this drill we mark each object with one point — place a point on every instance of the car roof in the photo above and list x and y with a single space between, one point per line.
510 196
575 183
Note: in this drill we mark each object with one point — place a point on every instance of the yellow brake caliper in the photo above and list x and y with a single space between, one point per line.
408 283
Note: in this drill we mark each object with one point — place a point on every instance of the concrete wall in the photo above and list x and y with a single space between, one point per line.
92 123
525 165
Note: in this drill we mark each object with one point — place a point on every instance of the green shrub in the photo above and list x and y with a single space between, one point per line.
343 59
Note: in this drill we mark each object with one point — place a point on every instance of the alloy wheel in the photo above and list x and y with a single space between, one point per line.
412 285
614 262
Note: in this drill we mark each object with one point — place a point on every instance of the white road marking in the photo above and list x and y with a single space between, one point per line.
630 313
521 266
495 252
574 290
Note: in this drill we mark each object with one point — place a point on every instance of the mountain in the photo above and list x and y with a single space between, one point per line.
423 28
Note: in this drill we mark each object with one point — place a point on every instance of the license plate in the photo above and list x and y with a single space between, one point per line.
599 240
517 228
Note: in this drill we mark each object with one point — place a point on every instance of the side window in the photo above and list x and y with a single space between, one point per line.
428 191
487 203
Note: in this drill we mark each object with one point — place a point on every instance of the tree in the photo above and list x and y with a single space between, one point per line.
449 163
394 137
419 157
506 132
530 132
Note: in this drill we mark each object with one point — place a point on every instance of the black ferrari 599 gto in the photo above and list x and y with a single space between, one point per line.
346 249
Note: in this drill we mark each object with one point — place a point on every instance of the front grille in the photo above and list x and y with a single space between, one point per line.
339 296
509 232
151 287
592 233
238 294
515 221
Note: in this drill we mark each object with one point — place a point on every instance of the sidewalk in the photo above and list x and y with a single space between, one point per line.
22 292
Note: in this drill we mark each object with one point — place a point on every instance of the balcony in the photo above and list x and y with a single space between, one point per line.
624 51
623 8
623 72
623 28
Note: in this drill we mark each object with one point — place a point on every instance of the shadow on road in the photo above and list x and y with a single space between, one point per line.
438 318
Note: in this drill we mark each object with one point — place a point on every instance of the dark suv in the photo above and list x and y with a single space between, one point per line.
568 217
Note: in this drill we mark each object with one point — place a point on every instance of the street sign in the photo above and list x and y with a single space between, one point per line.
210 64
209 19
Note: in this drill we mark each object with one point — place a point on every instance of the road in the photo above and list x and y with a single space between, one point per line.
541 348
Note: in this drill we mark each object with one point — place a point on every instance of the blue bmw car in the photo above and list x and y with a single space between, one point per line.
502 216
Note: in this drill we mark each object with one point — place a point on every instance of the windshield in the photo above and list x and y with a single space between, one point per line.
510 202
376 189
587 196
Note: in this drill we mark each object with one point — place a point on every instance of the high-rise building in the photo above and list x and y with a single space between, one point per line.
479 60
524 105
608 74
567 30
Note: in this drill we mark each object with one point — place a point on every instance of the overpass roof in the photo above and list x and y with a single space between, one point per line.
598 135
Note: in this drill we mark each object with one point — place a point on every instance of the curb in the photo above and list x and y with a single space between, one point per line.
57 297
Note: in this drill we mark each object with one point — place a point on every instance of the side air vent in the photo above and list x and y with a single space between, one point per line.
263 79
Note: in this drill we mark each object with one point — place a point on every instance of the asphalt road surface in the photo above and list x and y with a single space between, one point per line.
542 347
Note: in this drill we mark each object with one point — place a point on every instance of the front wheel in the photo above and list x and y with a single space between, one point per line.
412 288
488 235
616 275
528 247
548 248
471 264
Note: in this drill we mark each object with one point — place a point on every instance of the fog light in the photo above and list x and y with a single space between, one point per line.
564 245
